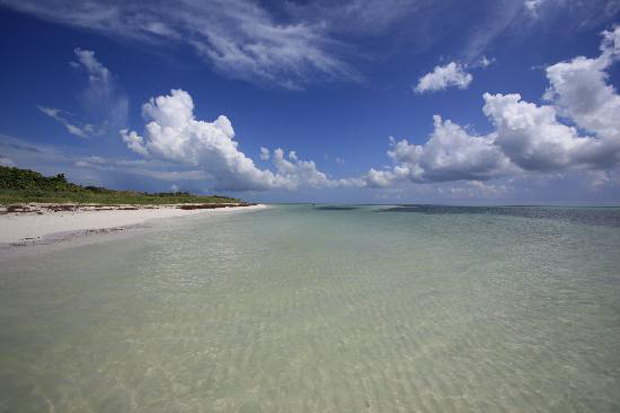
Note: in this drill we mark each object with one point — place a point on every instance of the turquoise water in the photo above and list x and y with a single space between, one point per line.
302 309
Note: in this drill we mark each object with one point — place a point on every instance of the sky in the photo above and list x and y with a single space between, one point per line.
358 101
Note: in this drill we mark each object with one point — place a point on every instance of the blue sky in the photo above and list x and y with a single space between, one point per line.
364 101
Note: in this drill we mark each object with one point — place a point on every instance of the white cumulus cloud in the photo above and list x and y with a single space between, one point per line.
576 129
580 90
264 153
173 133
450 154
532 137
295 171
527 137
442 77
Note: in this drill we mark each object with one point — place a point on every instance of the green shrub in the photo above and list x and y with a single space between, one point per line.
23 185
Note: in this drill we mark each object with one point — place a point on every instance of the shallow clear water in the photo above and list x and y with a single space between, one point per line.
302 309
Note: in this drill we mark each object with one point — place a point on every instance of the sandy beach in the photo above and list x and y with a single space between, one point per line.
32 227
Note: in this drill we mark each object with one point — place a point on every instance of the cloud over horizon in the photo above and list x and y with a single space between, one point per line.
354 60
527 137
173 133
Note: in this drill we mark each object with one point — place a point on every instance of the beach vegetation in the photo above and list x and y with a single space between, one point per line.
24 186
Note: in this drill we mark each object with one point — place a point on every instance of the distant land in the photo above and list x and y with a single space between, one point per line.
22 186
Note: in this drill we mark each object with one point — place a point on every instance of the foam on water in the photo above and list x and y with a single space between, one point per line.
296 308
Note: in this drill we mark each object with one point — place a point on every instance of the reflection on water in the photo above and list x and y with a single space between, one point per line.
595 216
291 309
334 208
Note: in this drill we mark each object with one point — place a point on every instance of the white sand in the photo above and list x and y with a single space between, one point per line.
19 227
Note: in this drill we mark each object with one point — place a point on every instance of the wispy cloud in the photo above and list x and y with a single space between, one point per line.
237 37
294 44
98 170
153 169
83 131
102 98
29 155
4 161
532 6
574 14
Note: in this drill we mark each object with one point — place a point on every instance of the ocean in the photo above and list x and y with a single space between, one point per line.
325 308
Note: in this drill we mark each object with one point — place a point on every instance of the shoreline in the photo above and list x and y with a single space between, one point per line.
40 224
